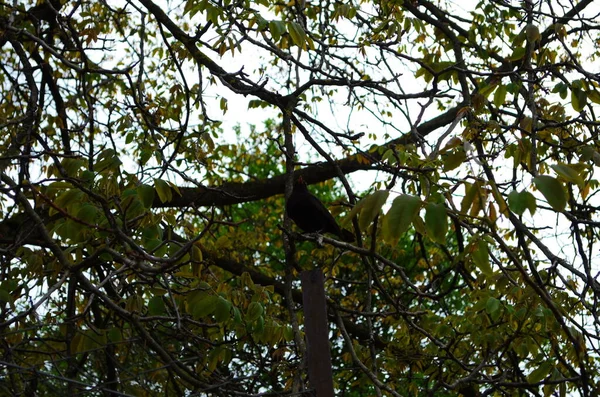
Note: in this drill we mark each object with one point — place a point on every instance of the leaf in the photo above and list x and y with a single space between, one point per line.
72 166
562 89
454 159
114 335
552 190
518 202
288 333
298 34
214 358
71 230
259 327
164 191
502 206
156 306
436 222
399 217
255 310
76 344
578 99
594 96
419 225
517 54
205 306
587 153
107 159
237 315
223 105
481 258
213 14
471 190
5 296
370 207
277 29
500 95
196 252
492 305
478 102
569 174
486 90
222 309
87 213
70 199
146 194
532 32
541 372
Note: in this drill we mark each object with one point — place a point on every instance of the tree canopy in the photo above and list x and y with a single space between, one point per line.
144 244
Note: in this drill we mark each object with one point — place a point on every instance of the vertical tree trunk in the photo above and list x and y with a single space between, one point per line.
317 333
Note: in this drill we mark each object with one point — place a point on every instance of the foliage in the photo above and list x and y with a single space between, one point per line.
144 246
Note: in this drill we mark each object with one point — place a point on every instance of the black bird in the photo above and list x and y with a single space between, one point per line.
310 214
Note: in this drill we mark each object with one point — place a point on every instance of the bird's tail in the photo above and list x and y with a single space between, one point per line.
346 235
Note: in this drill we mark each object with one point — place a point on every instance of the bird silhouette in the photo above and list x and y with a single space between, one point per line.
310 215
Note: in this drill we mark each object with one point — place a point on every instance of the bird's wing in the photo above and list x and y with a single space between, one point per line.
329 223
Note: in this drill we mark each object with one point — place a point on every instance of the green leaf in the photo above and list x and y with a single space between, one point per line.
156 306
87 213
500 95
72 165
5 296
436 222
371 205
594 96
255 310
471 190
205 306
532 32
146 194
399 217
562 89
277 29
196 253
552 190
213 14
72 230
288 333
518 202
569 174
298 34
259 327
70 199
223 105
222 309
107 159
589 153
237 315
454 159
578 99
114 335
486 90
214 358
481 258
541 372
163 189
517 54
492 305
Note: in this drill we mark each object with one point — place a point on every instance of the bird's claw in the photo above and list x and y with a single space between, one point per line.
318 238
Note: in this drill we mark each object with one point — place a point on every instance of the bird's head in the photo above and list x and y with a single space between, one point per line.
300 184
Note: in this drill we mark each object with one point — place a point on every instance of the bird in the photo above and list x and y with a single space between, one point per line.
310 215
